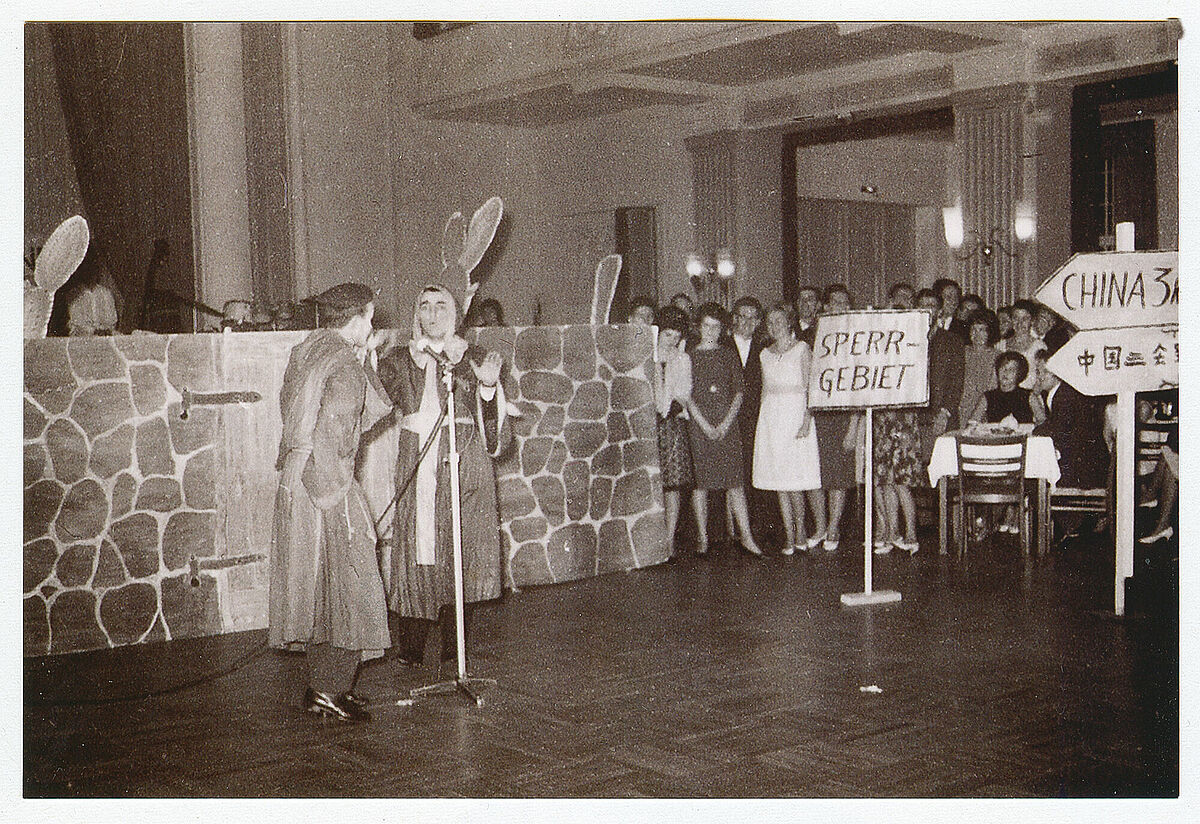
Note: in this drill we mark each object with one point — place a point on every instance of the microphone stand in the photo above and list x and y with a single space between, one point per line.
463 683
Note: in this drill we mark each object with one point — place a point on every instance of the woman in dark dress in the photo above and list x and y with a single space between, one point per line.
715 436
1009 397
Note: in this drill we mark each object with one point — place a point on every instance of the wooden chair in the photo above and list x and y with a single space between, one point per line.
991 471
1073 499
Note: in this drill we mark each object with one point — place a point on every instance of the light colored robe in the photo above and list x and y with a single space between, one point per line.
325 581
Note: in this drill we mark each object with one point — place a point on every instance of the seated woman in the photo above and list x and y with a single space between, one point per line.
1009 398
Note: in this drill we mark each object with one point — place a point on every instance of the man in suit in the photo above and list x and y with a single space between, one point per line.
808 304
1075 422
946 363
749 338
949 293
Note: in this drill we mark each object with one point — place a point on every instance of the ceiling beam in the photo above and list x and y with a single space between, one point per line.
621 80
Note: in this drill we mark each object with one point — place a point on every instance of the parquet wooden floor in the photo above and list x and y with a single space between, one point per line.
721 676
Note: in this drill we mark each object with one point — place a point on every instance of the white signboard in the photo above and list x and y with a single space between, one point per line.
867 359
1103 289
1125 359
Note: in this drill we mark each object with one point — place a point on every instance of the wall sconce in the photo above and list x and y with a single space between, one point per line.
952 225
988 248
1024 221
1024 228
711 279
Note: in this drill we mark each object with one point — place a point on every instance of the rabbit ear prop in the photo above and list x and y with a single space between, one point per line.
480 235
605 288
454 237
62 253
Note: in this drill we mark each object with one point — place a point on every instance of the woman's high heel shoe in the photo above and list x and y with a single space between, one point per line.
752 550
816 540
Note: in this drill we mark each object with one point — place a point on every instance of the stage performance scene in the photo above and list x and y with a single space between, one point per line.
580 410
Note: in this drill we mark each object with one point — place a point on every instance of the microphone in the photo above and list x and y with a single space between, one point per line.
440 357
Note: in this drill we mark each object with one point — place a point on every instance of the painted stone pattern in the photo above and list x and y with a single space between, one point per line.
125 499
143 525
579 491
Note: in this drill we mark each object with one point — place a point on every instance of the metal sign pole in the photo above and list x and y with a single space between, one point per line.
868 595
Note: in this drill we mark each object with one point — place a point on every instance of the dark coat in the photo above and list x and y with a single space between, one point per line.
946 368
418 590
1076 424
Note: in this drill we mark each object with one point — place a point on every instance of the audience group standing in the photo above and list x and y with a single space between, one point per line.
731 391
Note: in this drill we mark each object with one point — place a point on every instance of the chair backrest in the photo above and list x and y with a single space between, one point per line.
991 470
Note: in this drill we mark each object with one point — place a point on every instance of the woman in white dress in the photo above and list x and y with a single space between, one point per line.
785 441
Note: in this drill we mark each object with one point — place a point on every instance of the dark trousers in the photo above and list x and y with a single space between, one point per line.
331 669
412 633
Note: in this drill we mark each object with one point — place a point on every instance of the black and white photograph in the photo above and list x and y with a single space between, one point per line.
712 405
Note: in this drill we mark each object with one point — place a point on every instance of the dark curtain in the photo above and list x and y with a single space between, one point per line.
124 98
638 247
866 246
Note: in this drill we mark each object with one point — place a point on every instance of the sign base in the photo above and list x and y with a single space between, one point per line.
861 599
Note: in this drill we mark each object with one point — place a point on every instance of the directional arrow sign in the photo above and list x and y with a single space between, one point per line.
1125 359
1104 289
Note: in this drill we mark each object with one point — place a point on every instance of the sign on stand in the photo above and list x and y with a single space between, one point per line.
862 360
1126 306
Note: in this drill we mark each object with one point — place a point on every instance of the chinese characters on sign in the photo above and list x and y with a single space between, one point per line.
1132 358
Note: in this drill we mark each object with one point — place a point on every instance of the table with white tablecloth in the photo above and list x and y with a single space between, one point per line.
1041 464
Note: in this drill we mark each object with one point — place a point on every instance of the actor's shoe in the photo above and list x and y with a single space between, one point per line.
340 708
356 700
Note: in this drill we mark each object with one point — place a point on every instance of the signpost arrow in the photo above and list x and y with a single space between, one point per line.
1096 290
1125 359
1127 305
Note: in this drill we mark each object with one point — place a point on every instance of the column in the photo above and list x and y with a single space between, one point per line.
220 210
990 143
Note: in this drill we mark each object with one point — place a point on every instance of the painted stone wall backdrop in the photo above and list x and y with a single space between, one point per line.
142 525
580 492
127 501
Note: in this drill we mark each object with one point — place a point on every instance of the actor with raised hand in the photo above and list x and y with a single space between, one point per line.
420 569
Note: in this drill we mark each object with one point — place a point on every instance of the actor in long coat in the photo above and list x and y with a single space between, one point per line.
420 571
326 592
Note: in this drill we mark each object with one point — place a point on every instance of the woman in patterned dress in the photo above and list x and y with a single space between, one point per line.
672 388
896 451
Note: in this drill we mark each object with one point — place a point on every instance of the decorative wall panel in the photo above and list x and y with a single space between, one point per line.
141 524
